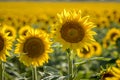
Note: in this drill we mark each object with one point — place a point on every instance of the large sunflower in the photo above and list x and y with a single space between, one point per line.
34 48
5 45
72 30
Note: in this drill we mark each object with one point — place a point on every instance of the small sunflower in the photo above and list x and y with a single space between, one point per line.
86 53
112 33
23 30
72 30
34 48
111 73
97 48
10 30
5 45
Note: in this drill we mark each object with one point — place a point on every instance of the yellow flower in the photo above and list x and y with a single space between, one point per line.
33 49
111 73
111 35
11 30
86 53
97 48
23 30
5 45
72 30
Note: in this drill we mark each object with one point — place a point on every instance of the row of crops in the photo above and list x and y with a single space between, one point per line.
59 41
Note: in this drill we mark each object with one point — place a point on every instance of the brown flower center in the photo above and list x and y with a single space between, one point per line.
72 32
34 47
108 74
1 43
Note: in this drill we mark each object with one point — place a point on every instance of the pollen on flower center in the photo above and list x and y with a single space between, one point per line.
34 47
72 32
1 43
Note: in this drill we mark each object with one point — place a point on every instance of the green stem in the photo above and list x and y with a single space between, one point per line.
70 64
34 73
1 71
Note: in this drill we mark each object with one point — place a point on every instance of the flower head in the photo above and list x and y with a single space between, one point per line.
72 30
34 48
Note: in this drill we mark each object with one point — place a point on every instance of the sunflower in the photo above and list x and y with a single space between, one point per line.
97 48
33 49
111 73
72 30
5 45
23 30
11 30
85 53
112 33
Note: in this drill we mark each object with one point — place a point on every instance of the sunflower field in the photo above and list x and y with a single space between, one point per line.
43 40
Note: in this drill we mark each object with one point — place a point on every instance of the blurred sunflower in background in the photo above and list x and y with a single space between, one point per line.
23 30
72 30
34 48
103 22
85 53
5 45
97 48
11 30
111 34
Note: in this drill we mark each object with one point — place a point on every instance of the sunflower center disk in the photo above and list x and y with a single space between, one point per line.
107 75
1 43
34 47
72 32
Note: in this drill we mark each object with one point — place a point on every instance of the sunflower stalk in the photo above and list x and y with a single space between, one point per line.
70 64
1 71
34 73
